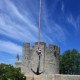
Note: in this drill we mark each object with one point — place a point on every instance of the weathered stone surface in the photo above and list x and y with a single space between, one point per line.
70 77
37 77
49 62
53 77
57 77
29 78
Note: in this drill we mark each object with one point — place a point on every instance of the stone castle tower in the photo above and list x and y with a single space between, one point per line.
48 63
18 63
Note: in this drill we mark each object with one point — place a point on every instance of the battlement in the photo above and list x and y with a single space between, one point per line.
48 50
44 48
50 46
26 45
41 43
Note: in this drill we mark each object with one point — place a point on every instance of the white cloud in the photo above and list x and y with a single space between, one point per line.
51 27
14 10
73 22
56 30
10 47
27 31
15 30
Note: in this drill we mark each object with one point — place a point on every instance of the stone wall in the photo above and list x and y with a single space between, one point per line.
49 63
53 77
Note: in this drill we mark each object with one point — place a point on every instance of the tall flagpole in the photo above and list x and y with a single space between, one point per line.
39 24
38 72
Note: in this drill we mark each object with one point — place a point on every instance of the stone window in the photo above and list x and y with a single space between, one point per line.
54 47
55 53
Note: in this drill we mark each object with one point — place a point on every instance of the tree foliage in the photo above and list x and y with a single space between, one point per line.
70 62
8 72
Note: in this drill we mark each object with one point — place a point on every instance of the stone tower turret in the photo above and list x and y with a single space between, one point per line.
17 57
18 63
49 59
26 58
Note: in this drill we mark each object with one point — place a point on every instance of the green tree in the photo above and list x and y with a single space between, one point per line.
8 72
69 62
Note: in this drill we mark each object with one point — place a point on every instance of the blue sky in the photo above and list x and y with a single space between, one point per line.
60 24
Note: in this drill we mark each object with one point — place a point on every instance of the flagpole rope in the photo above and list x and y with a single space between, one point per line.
39 23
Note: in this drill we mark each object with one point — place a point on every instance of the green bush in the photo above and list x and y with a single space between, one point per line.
8 72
